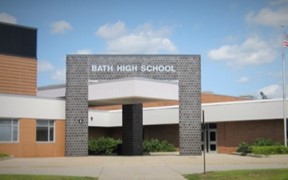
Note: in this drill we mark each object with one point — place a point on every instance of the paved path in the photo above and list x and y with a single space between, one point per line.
139 167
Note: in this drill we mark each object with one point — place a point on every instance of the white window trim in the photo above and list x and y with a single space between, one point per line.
54 132
18 131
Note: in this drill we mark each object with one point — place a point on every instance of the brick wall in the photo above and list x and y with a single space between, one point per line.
230 134
18 75
27 145
161 132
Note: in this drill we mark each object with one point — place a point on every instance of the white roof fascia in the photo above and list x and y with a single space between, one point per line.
21 106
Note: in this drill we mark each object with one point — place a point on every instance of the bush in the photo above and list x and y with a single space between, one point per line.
265 142
269 150
3 155
154 145
244 148
262 146
103 145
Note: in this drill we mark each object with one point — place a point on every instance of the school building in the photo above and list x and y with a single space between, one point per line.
130 97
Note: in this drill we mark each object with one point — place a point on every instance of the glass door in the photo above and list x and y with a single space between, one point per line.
212 140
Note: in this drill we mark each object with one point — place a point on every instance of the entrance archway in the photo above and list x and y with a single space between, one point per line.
184 68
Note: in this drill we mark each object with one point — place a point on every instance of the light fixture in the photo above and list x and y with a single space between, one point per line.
80 121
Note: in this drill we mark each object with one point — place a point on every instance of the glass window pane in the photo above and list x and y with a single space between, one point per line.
212 147
42 134
212 126
51 138
45 130
212 136
5 122
5 133
15 133
42 123
15 122
51 123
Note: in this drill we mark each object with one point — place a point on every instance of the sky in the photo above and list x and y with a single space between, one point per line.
240 42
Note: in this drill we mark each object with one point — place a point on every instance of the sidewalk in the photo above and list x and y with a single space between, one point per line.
137 167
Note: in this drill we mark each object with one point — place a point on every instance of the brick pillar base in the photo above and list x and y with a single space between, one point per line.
132 133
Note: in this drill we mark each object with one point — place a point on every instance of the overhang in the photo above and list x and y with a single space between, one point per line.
131 91
120 91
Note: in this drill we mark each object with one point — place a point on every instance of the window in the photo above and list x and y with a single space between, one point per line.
9 130
45 131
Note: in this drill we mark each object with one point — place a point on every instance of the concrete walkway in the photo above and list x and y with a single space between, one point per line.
137 167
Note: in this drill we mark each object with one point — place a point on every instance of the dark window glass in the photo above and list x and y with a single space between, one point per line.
45 130
212 126
212 136
18 40
212 147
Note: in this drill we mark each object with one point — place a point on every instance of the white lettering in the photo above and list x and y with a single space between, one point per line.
159 68
133 68
109 68
94 68
127 68
101 68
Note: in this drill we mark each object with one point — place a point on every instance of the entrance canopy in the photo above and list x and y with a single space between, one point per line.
121 91
131 91
81 69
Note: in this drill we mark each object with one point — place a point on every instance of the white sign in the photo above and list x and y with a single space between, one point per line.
133 68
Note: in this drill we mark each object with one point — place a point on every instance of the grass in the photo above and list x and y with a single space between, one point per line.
42 177
262 174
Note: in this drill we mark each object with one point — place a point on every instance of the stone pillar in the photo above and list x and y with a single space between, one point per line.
132 130
76 107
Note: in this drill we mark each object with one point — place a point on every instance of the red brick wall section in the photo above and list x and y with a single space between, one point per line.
27 145
161 132
230 134
18 75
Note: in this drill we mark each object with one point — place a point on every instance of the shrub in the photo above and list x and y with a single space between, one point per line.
244 148
262 146
3 155
154 145
269 150
265 142
102 145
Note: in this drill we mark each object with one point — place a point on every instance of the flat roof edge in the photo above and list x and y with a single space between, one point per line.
30 97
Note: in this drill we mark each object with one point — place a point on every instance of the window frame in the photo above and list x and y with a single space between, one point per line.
48 130
12 128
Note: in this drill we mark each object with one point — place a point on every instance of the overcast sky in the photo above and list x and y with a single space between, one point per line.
239 41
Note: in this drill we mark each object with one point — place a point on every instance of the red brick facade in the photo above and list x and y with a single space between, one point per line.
230 134
18 75
27 146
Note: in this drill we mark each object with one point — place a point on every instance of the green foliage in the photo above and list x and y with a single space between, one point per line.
265 142
154 145
269 150
103 145
262 146
244 148
3 155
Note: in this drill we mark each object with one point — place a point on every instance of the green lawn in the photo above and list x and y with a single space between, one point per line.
42 177
263 174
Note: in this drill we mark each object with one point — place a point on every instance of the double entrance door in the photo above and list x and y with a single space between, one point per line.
211 138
